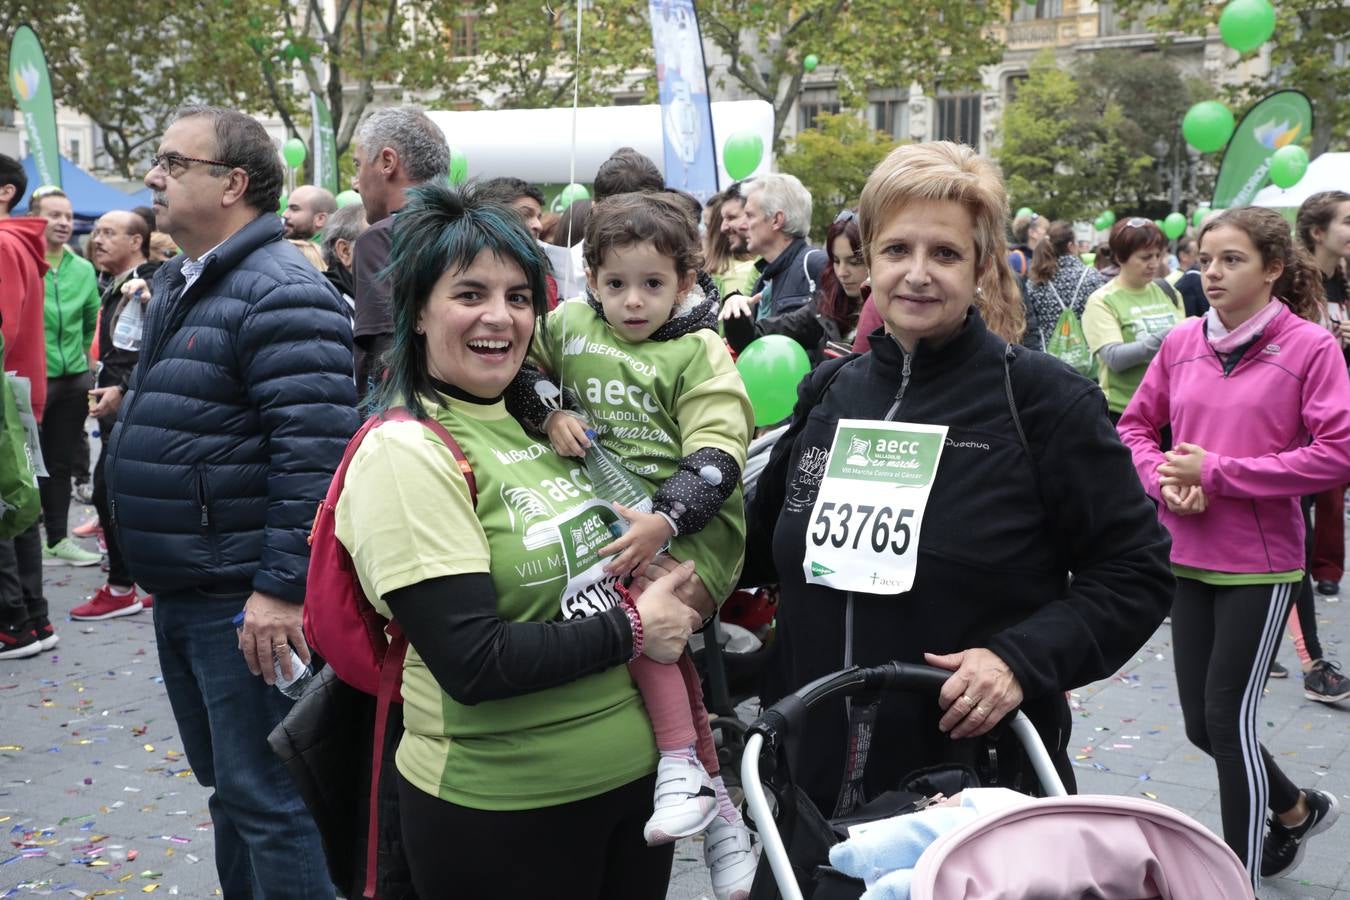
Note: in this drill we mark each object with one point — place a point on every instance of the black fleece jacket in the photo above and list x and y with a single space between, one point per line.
1001 536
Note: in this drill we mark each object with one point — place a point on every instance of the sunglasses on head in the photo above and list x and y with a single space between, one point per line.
1137 222
845 215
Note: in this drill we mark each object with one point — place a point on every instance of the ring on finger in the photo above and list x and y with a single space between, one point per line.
982 710
970 701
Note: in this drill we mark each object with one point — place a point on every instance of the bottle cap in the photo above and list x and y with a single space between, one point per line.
590 434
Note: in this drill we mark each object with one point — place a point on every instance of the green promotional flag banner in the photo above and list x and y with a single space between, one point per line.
324 144
32 88
1279 120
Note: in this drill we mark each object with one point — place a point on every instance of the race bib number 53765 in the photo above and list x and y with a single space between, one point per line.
863 534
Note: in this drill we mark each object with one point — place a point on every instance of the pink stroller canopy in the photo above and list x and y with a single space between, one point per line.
1112 848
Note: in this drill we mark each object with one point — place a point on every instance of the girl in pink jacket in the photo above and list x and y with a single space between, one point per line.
1257 398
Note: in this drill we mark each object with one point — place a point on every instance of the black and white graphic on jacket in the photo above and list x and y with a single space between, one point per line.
806 480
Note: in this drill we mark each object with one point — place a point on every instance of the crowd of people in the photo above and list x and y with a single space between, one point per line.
1108 441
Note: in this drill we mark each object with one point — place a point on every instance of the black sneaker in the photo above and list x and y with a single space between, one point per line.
1284 846
1328 588
45 633
18 643
1325 683
1277 670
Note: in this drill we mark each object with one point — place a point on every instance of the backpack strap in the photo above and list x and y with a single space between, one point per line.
806 269
391 679
1170 291
403 414
1079 286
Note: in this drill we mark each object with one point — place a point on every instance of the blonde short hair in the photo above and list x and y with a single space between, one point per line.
310 252
944 171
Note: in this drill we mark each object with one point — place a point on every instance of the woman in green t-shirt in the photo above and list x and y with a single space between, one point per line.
1126 319
526 768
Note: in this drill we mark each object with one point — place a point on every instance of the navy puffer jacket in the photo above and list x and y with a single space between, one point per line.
236 417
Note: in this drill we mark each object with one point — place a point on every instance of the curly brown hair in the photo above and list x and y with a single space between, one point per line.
627 219
1300 284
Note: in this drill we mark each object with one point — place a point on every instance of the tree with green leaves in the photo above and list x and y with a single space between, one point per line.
1308 52
525 52
833 160
128 68
1066 152
929 42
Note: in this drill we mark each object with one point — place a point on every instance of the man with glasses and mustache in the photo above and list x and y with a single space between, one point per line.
236 415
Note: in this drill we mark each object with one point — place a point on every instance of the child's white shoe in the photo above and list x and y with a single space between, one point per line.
732 858
685 801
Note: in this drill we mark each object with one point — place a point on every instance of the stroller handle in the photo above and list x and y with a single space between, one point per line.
785 716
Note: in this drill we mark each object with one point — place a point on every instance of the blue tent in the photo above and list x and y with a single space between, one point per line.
90 197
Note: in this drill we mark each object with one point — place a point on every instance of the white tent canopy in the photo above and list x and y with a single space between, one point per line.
1328 172
535 144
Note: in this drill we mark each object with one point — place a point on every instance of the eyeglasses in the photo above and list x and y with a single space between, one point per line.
845 215
175 164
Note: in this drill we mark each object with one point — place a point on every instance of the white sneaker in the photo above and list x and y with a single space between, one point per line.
685 801
732 858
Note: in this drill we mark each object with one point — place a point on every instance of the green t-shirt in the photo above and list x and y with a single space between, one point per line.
405 516
653 403
1116 315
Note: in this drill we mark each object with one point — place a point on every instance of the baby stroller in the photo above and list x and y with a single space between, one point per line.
1113 848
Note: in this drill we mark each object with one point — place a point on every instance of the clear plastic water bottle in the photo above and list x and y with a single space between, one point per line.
130 324
293 687
612 482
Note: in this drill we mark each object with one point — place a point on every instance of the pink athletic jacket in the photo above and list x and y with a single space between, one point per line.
1256 425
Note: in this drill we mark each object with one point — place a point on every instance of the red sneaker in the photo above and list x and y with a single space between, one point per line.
88 529
148 601
106 605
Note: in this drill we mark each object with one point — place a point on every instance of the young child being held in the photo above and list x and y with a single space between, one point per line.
642 367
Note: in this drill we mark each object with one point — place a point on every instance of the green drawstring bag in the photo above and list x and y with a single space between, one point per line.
20 505
1068 343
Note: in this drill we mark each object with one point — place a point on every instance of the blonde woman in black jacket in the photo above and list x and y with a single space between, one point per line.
943 527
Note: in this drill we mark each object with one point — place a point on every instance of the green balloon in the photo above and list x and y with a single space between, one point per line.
1247 24
1109 217
1101 224
1287 165
347 198
771 368
1024 211
1174 226
742 153
281 204
294 152
810 62
1208 126
571 194
1159 223
459 167
1198 216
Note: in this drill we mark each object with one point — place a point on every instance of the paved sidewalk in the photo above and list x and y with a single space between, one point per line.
96 798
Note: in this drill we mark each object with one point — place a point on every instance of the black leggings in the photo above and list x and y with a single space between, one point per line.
1223 641
62 421
588 850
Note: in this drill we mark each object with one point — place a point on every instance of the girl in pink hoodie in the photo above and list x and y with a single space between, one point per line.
1257 398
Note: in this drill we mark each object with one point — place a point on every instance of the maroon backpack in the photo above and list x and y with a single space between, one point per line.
342 626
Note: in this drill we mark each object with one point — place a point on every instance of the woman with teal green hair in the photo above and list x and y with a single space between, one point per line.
522 727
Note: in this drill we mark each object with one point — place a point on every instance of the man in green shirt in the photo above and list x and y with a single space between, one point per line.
71 313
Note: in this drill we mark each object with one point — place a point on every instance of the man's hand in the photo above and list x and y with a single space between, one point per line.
737 305
137 289
270 624
107 400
